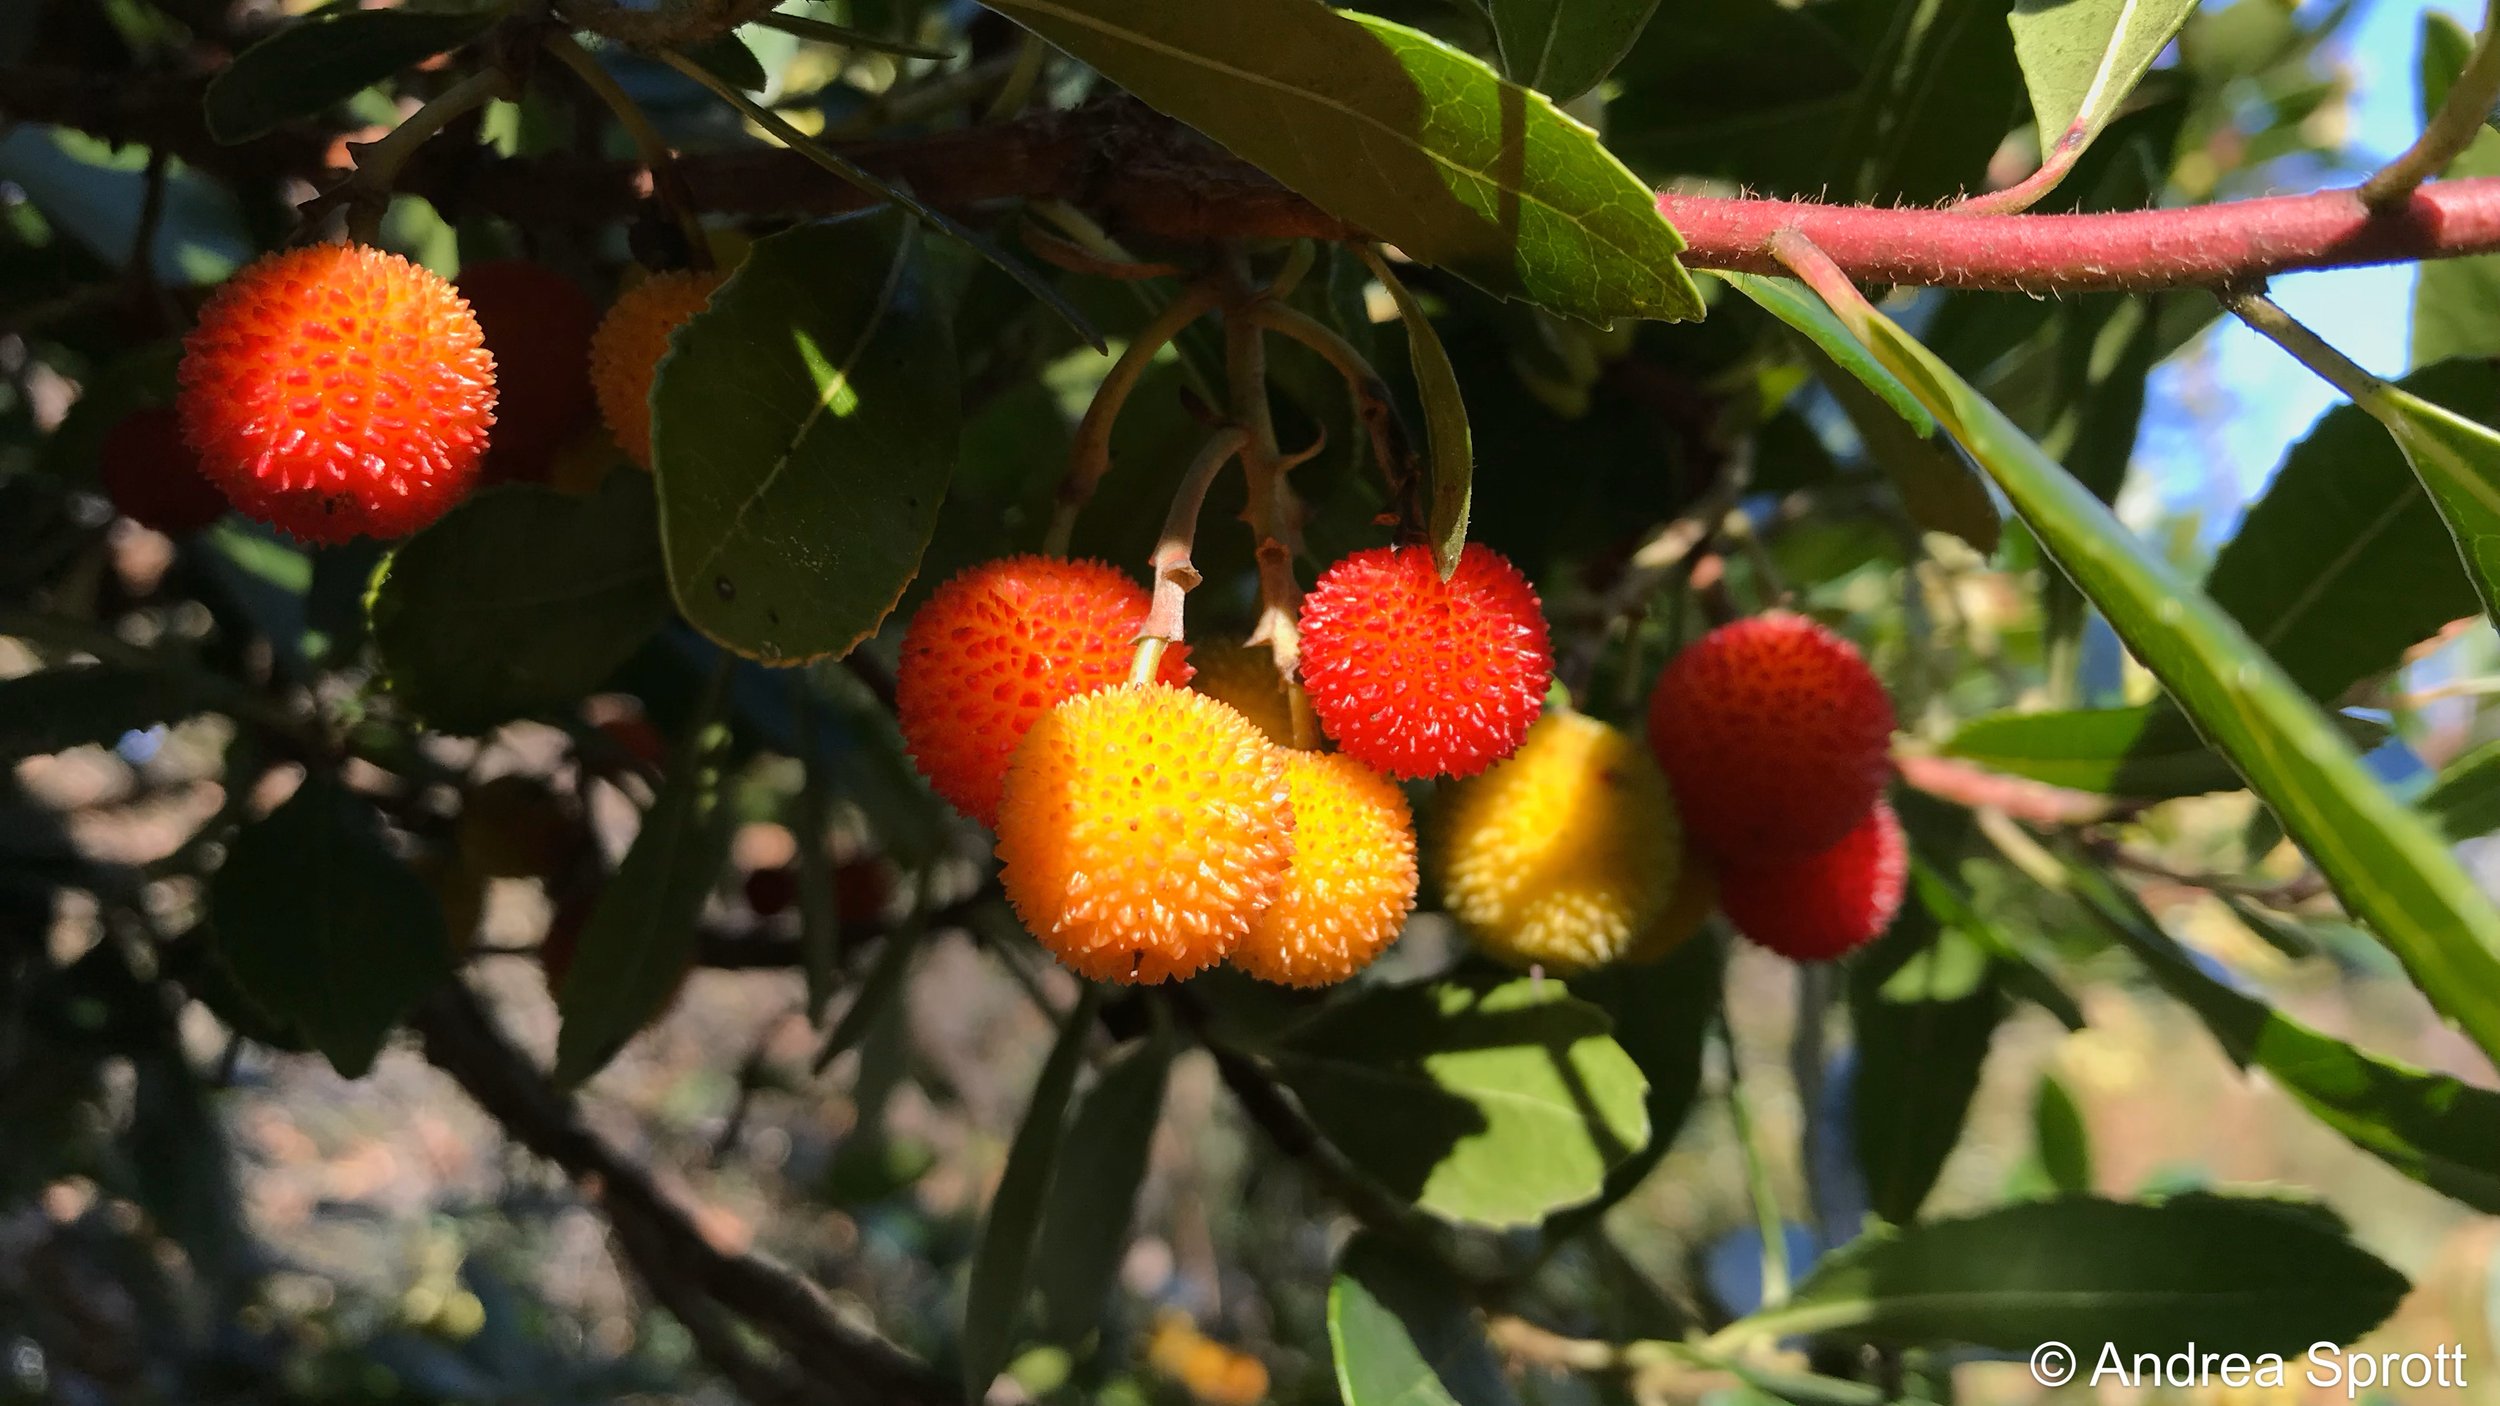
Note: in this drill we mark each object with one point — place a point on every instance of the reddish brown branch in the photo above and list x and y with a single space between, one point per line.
1148 178
2239 242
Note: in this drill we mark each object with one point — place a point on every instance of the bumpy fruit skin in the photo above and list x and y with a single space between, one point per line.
998 647
625 352
1824 905
337 391
1245 677
538 324
1776 735
1421 677
1352 882
153 477
1561 855
1143 828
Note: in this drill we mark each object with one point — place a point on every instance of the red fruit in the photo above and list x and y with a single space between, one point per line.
1000 646
1421 677
771 891
538 325
153 477
337 391
1824 905
1776 735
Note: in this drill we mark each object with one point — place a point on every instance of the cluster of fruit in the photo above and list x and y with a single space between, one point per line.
336 391
1151 829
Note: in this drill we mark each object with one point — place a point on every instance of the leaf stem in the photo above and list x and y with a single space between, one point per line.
1174 575
1089 458
827 32
2310 350
666 181
2451 129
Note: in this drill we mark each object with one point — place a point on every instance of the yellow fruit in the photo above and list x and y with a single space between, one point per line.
1560 855
1142 828
1245 677
1696 894
625 352
1353 877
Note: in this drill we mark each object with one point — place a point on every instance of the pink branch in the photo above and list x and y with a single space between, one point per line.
2199 246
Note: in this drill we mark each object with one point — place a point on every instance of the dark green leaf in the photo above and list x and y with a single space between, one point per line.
727 58
2385 861
54 710
2458 460
1563 47
640 941
2058 1131
1457 168
1925 1004
2081 58
1927 123
2464 802
2456 302
1749 91
2344 564
1403 1336
1001 1267
310 65
521 600
1513 1101
1661 1012
2148 751
2259 1275
2433 1128
1093 1193
1445 425
803 429
323 928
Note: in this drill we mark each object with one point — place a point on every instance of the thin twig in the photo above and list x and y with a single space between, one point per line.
2309 349
1174 574
1089 457
2451 129
667 181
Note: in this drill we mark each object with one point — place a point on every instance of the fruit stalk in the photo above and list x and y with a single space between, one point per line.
1270 515
1174 575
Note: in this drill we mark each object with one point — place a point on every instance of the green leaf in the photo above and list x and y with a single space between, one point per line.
2388 865
1938 486
1403 1336
2464 802
2458 460
1662 1012
2080 59
803 429
1925 1005
2433 1128
1001 1267
2261 1276
2149 751
1452 165
1928 119
640 940
2344 564
521 600
321 926
1563 47
1093 1193
2058 1131
2456 302
54 710
1445 426
1512 1099
308 66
